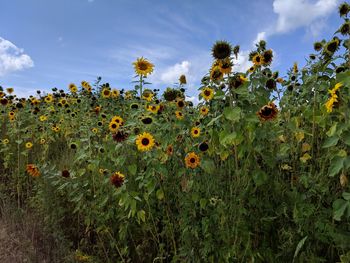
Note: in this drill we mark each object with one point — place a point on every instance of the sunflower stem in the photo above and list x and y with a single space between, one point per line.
141 82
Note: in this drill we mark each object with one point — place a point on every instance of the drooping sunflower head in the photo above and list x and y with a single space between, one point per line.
147 120
207 93
169 150
72 88
171 94
145 142
65 173
9 90
345 28
226 66
221 50
270 84
236 50
331 47
318 46
344 9
117 179
182 80
268 112
216 74
192 160
267 57
143 67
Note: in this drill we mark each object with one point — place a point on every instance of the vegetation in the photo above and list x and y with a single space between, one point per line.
256 172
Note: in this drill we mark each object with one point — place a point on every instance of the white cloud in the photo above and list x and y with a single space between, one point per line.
293 14
172 74
242 63
260 36
12 58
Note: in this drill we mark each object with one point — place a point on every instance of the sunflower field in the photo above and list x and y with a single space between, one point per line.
256 172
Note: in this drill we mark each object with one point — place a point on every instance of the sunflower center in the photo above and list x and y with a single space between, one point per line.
147 120
142 65
207 93
145 141
257 59
267 111
114 125
195 132
180 104
192 160
106 92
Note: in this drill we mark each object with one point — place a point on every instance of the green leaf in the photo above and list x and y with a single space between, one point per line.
336 165
346 196
203 203
332 130
141 215
339 207
299 246
132 169
331 141
208 166
260 177
160 194
232 114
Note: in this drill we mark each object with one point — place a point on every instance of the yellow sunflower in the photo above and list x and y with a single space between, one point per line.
195 132
32 170
180 103
143 67
29 145
42 141
179 115
73 88
106 93
225 66
153 108
43 118
216 74
258 60
147 95
119 120
144 141
192 160
48 98
204 110
207 93
9 90
115 93
113 126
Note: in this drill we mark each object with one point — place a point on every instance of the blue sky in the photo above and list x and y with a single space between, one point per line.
51 43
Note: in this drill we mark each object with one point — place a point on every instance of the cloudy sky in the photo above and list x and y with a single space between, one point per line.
51 43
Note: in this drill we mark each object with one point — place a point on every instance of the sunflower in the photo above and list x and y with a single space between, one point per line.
48 98
42 141
63 101
192 160
32 170
221 50
295 68
117 179
73 88
180 103
29 145
268 112
169 150
134 106
9 90
179 115
147 95
216 74
73 146
117 119
182 80
203 147
147 120
267 57
195 132
128 95
106 93
144 141
94 130
153 108
270 84
331 47
115 93
120 136
225 66
334 97
204 110
251 69
344 9
113 126
207 93
4 101
65 173
143 67
258 59
5 141
43 118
